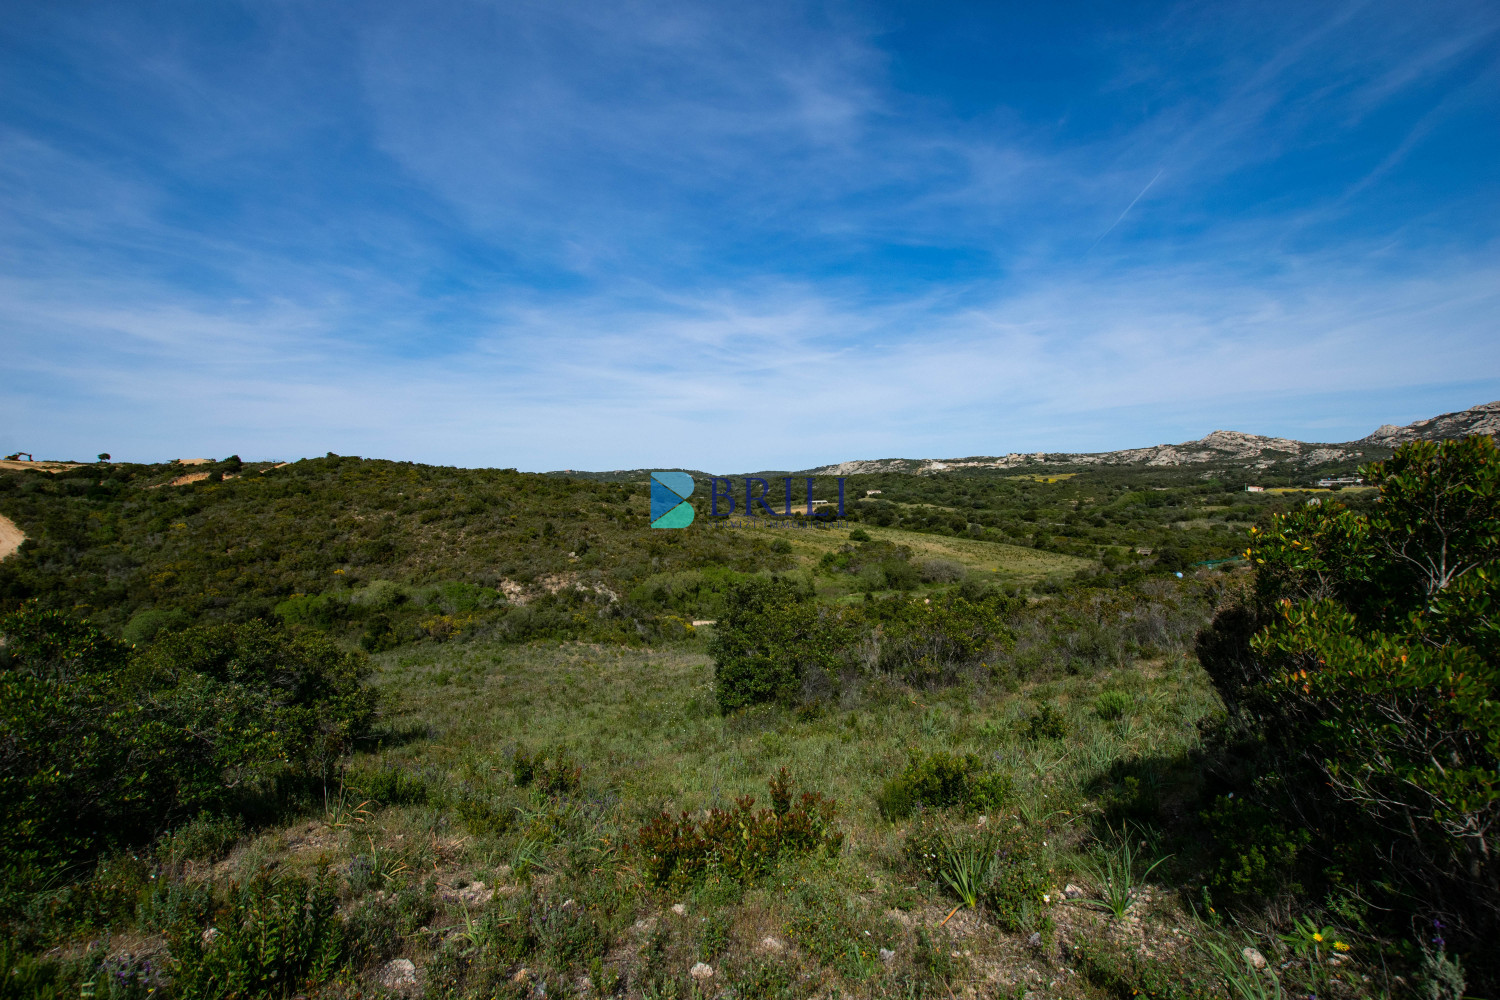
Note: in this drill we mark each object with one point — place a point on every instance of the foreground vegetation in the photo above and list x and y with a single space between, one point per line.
900 760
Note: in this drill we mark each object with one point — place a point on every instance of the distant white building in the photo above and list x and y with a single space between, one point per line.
870 493
1255 489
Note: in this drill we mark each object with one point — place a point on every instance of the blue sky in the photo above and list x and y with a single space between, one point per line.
734 236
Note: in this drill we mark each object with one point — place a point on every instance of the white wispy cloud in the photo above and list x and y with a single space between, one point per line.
595 235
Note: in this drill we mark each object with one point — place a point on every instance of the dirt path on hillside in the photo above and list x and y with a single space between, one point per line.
10 536
44 466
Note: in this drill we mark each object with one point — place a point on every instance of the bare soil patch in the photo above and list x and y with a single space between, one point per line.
11 536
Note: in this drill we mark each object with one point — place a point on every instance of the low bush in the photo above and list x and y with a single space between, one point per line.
773 640
740 843
1255 851
280 936
1046 723
104 747
997 869
774 644
1126 974
556 774
941 780
1112 705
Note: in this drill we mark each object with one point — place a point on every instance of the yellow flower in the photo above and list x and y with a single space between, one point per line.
1317 937
1340 946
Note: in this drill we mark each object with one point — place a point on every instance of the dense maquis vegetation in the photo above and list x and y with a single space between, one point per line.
1361 675
115 541
348 727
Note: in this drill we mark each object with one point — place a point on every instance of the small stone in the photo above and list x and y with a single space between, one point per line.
521 975
211 935
473 894
887 956
680 909
701 972
772 945
1072 891
1035 940
645 924
1255 959
398 973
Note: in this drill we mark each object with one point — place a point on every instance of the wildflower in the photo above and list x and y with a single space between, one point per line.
1317 936
1340 946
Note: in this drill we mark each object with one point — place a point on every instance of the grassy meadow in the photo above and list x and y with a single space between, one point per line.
348 728
642 726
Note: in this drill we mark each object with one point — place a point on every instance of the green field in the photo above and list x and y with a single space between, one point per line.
1011 564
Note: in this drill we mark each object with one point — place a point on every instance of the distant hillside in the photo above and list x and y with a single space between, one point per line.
1475 420
1220 447
1251 451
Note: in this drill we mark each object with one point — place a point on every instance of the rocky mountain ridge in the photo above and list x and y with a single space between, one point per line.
1230 447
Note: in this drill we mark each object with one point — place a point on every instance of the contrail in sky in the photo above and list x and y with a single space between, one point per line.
1137 198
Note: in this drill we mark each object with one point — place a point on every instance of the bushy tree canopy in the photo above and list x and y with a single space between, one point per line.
1364 665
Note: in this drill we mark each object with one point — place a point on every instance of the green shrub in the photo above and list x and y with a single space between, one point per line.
146 625
1362 671
103 747
1112 705
859 535
932 641
762 979
208 837
558 774
1127 974
1255 851
392 786
740 843
941 780
174 903
279 937
772 639
1046 723
1011 879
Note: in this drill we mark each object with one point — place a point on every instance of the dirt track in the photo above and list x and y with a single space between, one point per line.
44 466
10 536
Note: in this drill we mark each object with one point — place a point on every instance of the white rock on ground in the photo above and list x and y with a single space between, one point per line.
772 945
1255 958
887 956
398 973
1072 891
679 908
701 972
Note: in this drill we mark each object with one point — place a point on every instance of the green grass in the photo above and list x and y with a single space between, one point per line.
642 722
1009 564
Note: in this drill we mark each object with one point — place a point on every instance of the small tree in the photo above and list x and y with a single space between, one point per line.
1364 666
104 456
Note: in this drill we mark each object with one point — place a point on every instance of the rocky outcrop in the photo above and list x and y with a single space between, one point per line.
1484 419
1232 447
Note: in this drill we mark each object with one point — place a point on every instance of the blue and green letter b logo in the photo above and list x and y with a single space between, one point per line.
669 505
